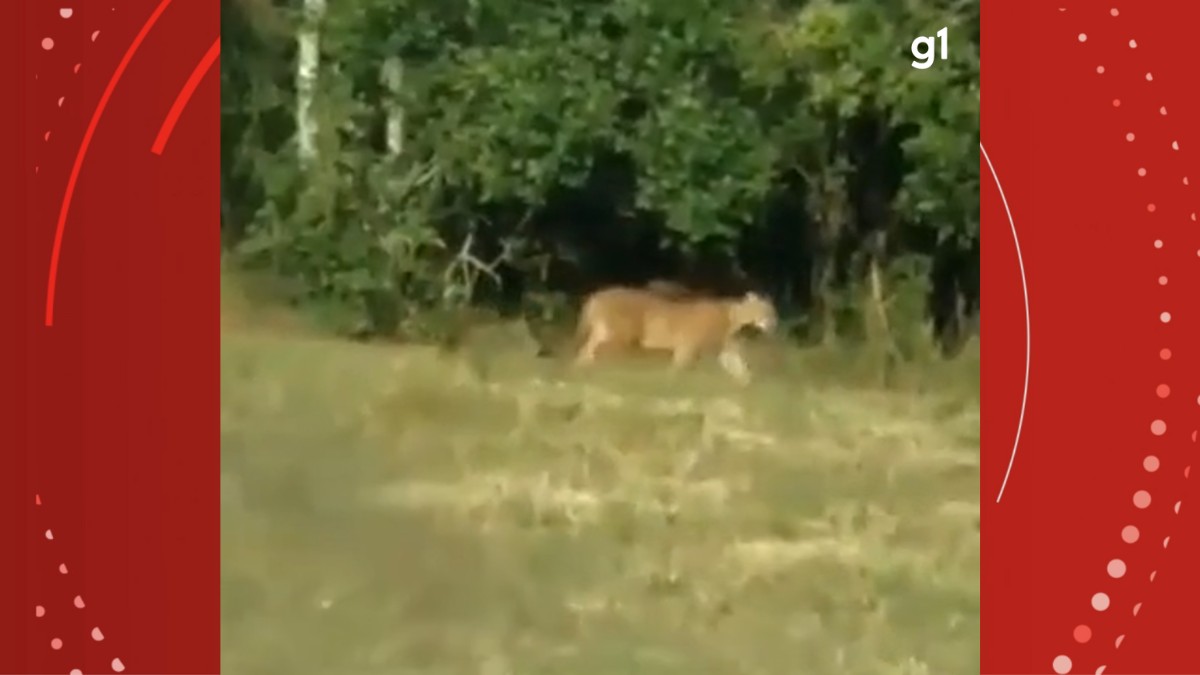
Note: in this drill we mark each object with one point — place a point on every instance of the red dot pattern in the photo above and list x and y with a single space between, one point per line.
54 618
1125 586
42 614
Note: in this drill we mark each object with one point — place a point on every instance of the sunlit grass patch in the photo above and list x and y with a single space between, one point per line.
393 509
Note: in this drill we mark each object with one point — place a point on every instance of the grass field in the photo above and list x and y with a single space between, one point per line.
394 510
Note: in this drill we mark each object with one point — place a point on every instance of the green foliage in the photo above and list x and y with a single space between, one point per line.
716 114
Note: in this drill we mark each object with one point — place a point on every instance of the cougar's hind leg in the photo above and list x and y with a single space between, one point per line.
682 357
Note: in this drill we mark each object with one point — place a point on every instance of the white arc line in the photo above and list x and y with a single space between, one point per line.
1025 293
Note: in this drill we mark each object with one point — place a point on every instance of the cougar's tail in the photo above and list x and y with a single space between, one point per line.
582 325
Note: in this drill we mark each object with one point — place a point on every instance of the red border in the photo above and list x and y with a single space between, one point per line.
1087 221
112 413
110 468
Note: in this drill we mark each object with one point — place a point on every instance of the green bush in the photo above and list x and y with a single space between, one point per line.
550 147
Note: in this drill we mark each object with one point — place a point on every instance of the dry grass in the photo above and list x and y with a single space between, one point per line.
401 510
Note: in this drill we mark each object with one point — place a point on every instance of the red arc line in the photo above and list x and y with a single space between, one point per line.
65 208
185 95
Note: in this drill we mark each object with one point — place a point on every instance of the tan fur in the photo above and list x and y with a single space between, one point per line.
686 327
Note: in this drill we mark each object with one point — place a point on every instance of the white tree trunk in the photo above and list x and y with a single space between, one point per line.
393 78
308 64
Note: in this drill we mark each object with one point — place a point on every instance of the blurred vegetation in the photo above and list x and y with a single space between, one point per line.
508 155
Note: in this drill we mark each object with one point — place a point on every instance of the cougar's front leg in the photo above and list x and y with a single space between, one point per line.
734 363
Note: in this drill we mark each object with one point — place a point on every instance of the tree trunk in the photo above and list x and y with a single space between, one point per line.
878 304
828 186
824 294
308 64
231 230
392 76
879 327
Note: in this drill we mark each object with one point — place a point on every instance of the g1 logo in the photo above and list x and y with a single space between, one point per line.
922 49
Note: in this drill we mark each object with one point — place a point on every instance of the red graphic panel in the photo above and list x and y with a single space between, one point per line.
1091 376
109 468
